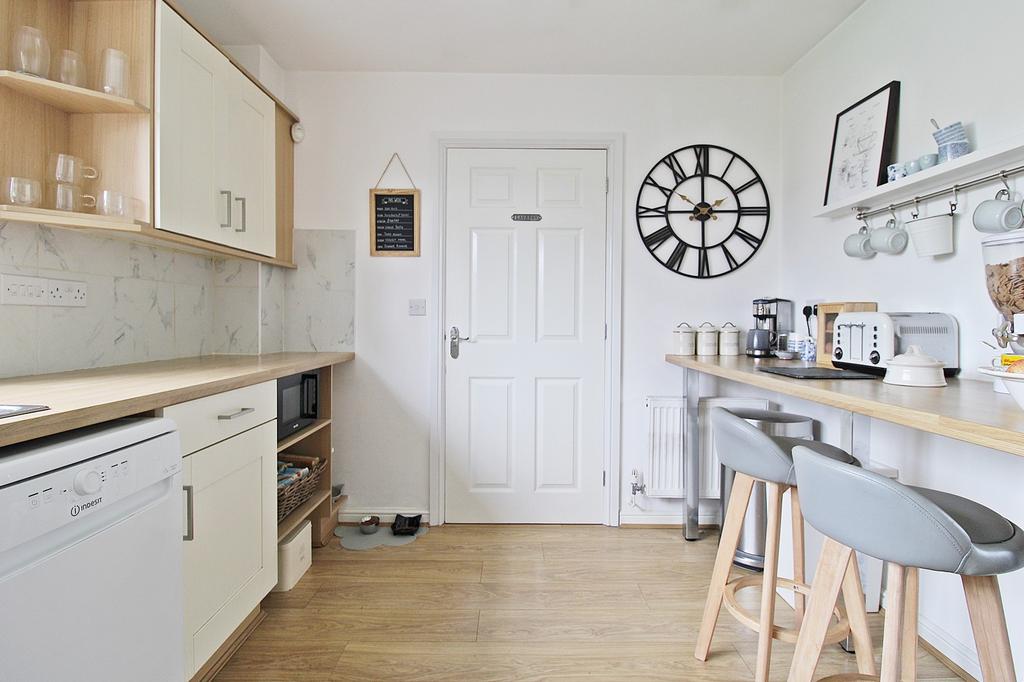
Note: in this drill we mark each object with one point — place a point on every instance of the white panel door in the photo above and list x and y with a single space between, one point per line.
525 282
191 113
251 166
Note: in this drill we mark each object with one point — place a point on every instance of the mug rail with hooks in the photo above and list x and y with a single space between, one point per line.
863 214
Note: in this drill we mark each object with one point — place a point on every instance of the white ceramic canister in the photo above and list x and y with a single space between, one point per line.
707 339
686 339
729 339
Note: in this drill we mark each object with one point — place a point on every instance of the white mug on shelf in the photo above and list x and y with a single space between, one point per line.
999 214
858 245
889 239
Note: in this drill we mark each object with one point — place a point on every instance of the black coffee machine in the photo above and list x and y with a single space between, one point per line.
773 319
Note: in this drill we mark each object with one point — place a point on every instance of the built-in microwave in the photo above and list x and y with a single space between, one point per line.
297 402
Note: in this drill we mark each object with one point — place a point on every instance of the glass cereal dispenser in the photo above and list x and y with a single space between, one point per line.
1004 277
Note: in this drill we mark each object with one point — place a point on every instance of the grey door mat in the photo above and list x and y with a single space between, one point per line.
352 538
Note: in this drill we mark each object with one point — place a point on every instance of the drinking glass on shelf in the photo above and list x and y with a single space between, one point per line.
30 52
21 191
114 74
70 169
72 71
110 202
64 196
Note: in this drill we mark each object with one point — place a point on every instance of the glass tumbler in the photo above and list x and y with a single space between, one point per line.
72 71
21 192
114 73
30 52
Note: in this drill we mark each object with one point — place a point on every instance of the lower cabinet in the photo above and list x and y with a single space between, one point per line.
230 548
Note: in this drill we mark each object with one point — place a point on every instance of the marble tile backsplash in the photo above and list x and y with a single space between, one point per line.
151 303
319 311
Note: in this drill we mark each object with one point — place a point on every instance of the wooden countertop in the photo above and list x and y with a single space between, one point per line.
966 410
87 397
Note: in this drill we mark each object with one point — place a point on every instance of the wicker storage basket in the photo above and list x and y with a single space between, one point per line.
291 496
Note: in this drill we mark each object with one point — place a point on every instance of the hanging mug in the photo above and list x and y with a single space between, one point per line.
999 214
889 239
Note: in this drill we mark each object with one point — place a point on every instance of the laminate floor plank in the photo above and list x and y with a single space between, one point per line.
496 603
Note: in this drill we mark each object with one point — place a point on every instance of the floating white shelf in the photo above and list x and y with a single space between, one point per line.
966 168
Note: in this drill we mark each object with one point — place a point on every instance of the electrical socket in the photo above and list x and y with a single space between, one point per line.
22 290
66 293
417 307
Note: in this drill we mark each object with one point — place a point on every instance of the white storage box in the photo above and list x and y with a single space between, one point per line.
294 556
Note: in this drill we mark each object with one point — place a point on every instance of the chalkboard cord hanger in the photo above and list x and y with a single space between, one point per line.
404 170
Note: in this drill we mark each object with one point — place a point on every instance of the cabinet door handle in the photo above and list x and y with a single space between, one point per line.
226 194
242 201
236 415
190 530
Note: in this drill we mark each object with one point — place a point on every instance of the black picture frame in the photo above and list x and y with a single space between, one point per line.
887 131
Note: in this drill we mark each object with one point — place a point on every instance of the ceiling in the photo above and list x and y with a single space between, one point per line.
656 37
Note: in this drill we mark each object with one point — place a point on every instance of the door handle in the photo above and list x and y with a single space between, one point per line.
453 348
236 415
190 530
226 194
242 201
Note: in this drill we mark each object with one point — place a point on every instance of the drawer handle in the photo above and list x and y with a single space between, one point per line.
190 530
236 415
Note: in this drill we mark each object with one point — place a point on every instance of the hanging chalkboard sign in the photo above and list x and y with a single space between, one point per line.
394 222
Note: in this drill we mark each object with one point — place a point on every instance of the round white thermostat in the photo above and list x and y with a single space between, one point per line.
298 132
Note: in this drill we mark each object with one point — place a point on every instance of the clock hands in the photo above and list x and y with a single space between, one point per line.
703 209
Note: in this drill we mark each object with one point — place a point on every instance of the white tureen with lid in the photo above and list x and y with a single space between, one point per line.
915 368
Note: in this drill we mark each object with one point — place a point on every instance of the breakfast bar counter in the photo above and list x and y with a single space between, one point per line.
966 410
87 397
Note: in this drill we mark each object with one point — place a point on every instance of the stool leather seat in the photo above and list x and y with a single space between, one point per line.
743 447
913 527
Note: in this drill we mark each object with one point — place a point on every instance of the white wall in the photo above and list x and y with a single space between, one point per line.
355 121
955 61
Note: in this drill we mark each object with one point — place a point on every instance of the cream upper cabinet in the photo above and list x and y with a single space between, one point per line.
215 170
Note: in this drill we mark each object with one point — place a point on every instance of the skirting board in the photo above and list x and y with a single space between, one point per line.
664 520
958 654
349 515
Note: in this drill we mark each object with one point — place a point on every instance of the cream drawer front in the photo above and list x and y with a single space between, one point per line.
209 420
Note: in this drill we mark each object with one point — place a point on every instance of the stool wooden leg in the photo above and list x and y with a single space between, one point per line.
989 624
895 594
909 672
731 526
828 579
773 493
856 613
799 573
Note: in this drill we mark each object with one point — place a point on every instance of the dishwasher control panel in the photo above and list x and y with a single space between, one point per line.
40 505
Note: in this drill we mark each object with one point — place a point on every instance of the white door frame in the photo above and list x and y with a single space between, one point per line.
613 144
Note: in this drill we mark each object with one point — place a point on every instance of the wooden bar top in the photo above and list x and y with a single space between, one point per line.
87 397
966 410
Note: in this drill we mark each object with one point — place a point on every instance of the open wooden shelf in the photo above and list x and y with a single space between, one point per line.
49 216
301 435
301 513
977 163
69 98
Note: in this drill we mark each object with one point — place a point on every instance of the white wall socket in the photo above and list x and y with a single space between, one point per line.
22 290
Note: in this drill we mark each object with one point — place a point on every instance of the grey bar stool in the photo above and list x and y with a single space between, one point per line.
910 528
758 457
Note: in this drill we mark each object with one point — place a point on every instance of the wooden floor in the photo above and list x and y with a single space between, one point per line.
512 603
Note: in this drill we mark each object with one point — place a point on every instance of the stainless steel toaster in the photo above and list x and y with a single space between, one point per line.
867 341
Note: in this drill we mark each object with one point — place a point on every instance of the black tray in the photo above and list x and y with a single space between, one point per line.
816 373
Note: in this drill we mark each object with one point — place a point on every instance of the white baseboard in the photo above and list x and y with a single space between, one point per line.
664 519
349 515
954 650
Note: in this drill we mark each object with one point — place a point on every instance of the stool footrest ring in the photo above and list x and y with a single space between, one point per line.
837 632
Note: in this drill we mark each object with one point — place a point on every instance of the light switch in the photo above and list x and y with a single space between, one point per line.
417 307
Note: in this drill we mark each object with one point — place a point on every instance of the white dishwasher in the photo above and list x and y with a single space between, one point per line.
90 555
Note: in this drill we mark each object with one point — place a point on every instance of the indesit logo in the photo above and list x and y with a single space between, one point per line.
79 508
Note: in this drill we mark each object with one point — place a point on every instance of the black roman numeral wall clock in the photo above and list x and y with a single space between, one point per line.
702 211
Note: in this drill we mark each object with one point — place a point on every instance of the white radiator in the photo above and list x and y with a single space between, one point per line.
665 441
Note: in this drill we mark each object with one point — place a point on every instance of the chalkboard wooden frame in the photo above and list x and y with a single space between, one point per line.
415 251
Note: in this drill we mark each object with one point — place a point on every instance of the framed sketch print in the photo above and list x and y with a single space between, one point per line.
862 144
